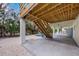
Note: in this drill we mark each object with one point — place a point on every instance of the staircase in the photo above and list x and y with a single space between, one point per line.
44 28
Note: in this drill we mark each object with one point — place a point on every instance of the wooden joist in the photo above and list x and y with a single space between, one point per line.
45 11
45 5
55 12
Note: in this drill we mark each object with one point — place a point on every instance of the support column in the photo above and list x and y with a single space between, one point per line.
22 30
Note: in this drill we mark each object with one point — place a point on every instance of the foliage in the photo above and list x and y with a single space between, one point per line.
11 24
31 28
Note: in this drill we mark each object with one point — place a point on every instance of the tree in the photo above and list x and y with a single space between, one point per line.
2 18
31 28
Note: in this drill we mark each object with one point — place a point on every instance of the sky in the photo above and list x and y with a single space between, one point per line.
14 6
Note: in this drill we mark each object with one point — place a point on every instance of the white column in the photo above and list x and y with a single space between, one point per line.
22 30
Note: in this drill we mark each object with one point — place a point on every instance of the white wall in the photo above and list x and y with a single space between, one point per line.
76 30
72 23
63 24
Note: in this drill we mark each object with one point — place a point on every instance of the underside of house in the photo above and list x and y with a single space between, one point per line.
47 16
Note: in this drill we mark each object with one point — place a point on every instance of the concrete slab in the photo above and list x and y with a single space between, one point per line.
43 47
35 46
12 47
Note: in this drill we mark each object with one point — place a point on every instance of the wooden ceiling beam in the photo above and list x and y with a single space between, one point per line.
48 9
32 16
66 12
45 5
29 17
55 11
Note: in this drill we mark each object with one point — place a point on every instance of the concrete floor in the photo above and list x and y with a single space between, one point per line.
64 39
36 46
42 47
12 47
